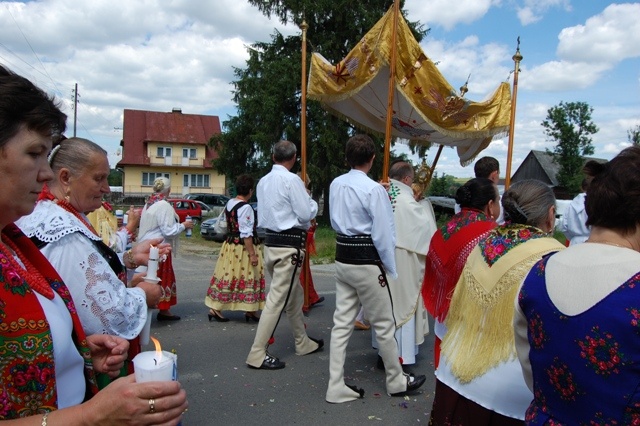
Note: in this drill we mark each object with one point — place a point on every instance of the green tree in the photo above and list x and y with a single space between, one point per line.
570 126
443 185
267 91
115 177
634 135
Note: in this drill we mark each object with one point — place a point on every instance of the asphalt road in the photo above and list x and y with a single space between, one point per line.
223 390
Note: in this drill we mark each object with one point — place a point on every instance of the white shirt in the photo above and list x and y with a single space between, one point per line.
360 206
104 304
574 222
283 201
245 217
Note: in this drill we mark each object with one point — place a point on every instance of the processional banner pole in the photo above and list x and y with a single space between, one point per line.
517 57
392 84
303 152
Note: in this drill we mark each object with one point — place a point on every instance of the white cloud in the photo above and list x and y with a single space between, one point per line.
608 38
533 10
448 14
560 76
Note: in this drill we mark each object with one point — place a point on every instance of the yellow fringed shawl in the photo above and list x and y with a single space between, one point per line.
480 320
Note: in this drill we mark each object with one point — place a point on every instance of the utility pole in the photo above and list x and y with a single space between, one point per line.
75 109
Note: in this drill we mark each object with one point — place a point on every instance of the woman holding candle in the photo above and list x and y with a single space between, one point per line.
238 279
93 272
42 343
160 220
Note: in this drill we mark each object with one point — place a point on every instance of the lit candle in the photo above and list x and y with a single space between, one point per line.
152 266
158 365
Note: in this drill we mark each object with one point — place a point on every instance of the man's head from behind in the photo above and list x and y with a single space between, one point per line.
284 151
488 168
360 150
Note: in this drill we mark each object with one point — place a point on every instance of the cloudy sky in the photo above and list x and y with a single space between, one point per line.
156 55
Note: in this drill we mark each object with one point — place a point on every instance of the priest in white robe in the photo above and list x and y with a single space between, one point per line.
415 225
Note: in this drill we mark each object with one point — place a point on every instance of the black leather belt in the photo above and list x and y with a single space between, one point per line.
356 250
294 237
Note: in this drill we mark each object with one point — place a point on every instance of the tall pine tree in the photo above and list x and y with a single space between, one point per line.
267 91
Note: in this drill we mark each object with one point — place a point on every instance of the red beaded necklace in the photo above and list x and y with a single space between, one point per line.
47 195
68 207
28 272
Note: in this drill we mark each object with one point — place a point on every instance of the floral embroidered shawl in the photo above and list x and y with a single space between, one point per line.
27 363
480 321
448 251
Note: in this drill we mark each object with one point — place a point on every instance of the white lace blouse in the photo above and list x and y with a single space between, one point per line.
105 305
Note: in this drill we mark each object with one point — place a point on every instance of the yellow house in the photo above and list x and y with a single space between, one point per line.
172 145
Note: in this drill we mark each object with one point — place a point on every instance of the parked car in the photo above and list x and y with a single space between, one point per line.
186 208
212 200
208 233
206 210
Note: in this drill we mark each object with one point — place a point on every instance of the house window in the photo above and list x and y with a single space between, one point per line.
148 178
189 153
198 181
163 151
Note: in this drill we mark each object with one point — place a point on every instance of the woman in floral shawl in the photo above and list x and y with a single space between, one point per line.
479 380
578 311
450 246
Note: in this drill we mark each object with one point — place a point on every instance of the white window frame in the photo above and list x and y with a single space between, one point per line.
149 177
194 180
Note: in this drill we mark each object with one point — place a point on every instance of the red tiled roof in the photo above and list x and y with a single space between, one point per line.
141 127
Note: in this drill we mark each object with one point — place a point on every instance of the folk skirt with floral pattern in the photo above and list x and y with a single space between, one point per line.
237 285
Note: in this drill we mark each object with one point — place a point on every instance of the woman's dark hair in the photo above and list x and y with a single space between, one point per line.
244 184
613 197
24 104
527 202
360 150
476 193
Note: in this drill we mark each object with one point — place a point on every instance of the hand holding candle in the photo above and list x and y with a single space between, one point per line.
152 266
155 366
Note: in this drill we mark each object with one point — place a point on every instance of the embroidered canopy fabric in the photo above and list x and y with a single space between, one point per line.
426 108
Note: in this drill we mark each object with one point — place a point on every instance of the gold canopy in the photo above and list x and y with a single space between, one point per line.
426 108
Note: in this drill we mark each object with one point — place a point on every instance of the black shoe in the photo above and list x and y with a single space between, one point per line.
213 315
357 390
320 343
270 363
164 317
320 300
413 383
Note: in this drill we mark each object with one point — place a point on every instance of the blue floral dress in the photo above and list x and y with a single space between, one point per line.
586 367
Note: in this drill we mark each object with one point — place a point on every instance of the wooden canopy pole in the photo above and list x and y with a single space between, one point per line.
392 78
517 57
303 153
435 161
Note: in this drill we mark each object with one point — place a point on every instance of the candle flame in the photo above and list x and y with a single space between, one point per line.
158 349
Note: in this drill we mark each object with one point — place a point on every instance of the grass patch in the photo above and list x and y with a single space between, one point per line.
325 245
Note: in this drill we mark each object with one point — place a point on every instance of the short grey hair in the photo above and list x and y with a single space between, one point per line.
284 151
74 154
527 202
400 170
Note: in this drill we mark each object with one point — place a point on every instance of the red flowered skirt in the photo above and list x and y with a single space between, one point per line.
168 283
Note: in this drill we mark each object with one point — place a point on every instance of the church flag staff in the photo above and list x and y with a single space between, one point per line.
517 57
392 82
303 152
